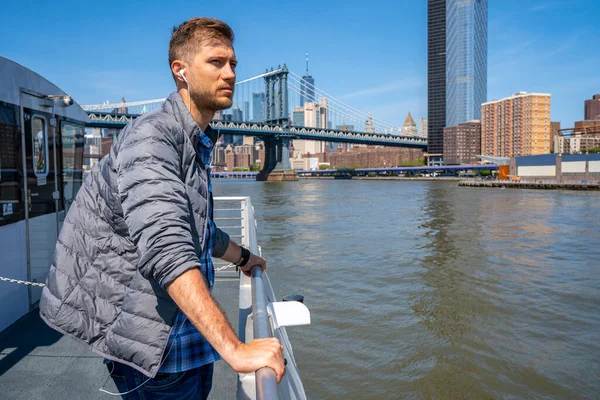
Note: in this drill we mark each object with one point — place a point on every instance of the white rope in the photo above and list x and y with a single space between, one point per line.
21 282
230 265
42 285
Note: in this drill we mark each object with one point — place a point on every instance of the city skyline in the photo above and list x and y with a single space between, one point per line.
381 70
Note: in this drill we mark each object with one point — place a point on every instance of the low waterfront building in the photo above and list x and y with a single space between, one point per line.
367 157
557 167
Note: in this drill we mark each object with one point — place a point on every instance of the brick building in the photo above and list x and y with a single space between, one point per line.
518 125
592 108
233 160
244 156
462 143
370 157
585 136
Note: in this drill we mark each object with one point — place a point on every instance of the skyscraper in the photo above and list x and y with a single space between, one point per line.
258 107
298 117
246 111
237 115
466 60
307 87
369 128
456 65
436 75
423 127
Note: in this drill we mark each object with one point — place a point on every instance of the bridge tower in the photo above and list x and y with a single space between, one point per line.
276 166
276 97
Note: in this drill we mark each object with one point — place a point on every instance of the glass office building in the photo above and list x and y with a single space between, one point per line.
466 60
258 107
307 89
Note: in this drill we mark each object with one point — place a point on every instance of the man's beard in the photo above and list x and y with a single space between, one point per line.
205 101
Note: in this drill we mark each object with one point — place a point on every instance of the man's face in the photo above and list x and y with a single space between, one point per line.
212 76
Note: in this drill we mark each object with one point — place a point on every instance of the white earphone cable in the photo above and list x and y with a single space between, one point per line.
143 383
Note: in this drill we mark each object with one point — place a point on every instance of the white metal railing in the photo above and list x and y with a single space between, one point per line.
256 299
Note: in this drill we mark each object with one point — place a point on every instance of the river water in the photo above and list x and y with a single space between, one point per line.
423 289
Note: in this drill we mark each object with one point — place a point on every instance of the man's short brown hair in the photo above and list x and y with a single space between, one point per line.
188 37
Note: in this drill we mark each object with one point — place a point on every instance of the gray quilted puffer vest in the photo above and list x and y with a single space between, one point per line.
137 223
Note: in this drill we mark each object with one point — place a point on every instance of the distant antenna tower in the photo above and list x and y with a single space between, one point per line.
306 64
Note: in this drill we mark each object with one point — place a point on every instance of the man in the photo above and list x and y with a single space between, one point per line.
132 272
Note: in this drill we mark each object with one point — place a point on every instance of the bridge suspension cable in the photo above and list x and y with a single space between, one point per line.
335 110
339 106
298 79
112 106
259 76
345 115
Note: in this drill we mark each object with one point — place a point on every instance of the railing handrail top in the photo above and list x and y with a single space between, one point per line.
232 198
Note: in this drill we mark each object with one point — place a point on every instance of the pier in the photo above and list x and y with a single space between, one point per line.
532 185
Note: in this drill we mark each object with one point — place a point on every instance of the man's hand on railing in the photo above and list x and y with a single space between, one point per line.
252 261
259 353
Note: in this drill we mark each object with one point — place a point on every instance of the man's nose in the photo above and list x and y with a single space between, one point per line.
228 73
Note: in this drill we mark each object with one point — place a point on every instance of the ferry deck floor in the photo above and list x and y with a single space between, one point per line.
37 362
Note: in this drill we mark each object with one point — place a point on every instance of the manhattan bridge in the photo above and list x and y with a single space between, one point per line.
262 107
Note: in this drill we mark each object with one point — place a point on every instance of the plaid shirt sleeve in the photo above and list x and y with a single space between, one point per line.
187 348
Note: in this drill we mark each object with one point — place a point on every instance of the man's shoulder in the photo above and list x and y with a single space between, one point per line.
157 120
157 125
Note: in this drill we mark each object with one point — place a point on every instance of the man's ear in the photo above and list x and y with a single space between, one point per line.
178 70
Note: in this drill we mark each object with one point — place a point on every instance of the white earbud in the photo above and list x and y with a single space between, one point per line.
182 75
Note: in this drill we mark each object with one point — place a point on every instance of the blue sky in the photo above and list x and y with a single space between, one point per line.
373 55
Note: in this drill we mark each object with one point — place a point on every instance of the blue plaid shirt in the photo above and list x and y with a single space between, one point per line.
187 348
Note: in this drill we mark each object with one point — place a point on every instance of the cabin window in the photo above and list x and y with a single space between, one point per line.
72 137
11 173
40 146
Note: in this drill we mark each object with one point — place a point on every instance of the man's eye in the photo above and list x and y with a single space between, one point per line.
216 62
